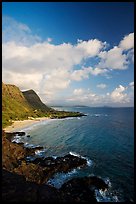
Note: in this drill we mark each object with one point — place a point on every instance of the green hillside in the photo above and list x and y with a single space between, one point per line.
20 106
15 106
34 100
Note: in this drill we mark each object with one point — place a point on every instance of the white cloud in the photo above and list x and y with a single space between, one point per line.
54 63
119 96
90 48
78 91
29 62
17 32
113 59
130 55
98 71
83 73
131 85
127 42
102 86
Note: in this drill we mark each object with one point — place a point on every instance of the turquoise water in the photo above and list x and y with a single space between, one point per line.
105 136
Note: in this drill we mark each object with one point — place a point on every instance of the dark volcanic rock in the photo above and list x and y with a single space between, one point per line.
27 180
92 181
16 189
11 135
60 164
11 154
31 151
82 189
32 172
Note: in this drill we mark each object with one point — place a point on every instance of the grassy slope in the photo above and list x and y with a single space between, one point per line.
14 105
17 107
34 100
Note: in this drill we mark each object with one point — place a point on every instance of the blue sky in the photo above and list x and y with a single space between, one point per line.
70 53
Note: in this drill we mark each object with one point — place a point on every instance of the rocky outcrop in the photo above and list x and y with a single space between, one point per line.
39 170
61 164
31 172
12 154
82 189
16 189
26 181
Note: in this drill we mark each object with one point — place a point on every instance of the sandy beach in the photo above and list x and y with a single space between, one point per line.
24 123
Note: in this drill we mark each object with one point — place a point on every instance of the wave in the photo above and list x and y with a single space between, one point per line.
107 195
60 178
89 161
98 115
18 139
30 127
40 153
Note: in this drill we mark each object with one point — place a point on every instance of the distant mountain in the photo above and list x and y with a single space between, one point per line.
78 106
34 100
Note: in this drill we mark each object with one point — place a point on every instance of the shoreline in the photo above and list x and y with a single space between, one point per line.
21 124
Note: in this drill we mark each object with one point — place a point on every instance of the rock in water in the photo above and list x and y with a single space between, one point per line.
82 189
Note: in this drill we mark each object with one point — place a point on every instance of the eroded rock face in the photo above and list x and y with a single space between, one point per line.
11 154
61 164
82 189
16 189
31 151
10 135
31 172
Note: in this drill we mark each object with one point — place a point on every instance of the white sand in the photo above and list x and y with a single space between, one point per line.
23 124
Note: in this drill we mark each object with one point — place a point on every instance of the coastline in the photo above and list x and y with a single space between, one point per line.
21 124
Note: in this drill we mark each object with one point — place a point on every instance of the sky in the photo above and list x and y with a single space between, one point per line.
70 53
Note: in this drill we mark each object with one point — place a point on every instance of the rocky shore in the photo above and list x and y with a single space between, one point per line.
26 180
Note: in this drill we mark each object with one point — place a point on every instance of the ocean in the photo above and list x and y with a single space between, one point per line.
105 137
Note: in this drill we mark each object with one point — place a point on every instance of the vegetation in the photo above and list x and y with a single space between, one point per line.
20 106
34 101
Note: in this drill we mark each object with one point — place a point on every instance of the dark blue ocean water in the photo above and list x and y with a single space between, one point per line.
105 137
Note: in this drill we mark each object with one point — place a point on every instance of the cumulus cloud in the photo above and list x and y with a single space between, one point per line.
98 71
83 73
29 62
78 91
127 42
113 59
90 48
53 63
102 86
131 85
83 96
119 96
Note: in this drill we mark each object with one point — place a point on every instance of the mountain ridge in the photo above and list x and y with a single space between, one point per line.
17 105
34 100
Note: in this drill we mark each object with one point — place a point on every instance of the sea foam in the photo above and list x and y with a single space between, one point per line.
89 161
60 178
